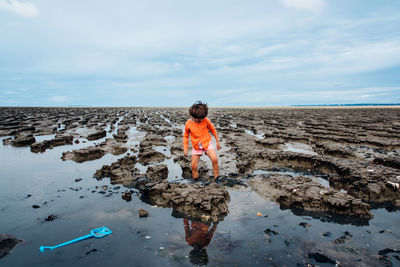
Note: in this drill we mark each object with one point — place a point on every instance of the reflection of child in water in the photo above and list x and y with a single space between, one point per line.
198 235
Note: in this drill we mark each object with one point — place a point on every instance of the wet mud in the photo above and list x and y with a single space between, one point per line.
341 162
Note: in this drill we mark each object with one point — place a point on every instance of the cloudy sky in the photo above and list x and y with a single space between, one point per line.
174 52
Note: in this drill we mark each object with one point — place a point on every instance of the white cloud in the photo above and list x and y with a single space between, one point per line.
310 5
59 98
28 10
274 97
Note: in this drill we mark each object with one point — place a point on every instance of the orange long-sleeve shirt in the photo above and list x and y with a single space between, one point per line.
198 133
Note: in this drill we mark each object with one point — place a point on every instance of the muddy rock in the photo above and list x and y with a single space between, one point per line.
362 180
393 162
230 181
51 217
306 194
23 129
7 243
340 254
192 200
147 154
96 135
61 140
122 171
7 141
321 258
110 145
341 240
23 140
121 137
151 140
333 149
388 250
157 172
57 141
270 142
143 213
127 195
150 156
84 154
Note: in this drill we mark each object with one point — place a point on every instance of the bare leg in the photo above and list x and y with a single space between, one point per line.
214 160
195 166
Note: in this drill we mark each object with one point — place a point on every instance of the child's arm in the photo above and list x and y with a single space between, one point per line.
214 132
186 140
187 229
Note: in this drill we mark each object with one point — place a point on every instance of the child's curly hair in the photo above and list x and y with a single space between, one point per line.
198 110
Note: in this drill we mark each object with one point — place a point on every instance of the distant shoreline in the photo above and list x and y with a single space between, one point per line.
347 105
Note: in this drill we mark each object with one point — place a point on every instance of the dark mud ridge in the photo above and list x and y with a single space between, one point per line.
193 200
341 161
190 200
7 243
305 194
59 140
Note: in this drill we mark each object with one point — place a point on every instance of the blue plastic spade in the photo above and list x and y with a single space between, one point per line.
98 232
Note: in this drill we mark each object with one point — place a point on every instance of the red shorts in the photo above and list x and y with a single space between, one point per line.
201 149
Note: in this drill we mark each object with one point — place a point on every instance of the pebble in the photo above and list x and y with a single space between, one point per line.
51 217
127 196
143 213
147 237
304 224
326 234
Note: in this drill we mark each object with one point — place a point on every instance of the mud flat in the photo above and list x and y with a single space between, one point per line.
328 164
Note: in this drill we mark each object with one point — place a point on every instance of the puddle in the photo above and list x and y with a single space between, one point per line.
41 138
233 125
299 148
141 167
259 136
134 136
166 119
163 150
170 138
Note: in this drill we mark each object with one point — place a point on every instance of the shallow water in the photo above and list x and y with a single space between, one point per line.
158 240
299 148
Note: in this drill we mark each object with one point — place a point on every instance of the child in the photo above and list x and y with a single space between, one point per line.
197 127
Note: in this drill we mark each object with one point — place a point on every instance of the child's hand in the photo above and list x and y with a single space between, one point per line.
218 147
185 152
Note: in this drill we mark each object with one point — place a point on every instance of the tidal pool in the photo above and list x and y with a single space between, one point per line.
275 238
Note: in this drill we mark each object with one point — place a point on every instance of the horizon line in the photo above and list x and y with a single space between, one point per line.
244 106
